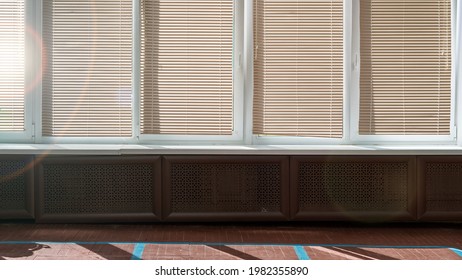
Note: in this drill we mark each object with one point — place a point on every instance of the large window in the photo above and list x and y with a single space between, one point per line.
230 71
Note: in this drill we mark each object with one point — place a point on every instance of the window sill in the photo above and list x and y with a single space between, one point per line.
104 149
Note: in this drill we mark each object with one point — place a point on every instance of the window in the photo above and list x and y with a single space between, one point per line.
363 71
405 80
87 84
298 68
12 72
230 71
187 67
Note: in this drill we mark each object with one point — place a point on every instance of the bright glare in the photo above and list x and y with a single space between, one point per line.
12 65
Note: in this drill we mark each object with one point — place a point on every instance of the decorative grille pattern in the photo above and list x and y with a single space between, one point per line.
443 186
225 187
98 188
353 186
13 185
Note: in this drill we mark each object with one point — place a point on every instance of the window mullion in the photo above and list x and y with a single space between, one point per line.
248 71
456 113
136 68
34 45
353 67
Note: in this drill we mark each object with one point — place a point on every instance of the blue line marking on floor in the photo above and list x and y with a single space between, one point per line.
226 244
138 251
301 253
457 251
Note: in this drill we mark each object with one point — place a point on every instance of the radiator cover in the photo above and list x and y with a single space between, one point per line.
440 188
353 188
100 189
16 187
216 188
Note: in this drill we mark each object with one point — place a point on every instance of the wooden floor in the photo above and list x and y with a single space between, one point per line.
232 241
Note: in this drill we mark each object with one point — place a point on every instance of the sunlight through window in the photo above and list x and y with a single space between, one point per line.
12 65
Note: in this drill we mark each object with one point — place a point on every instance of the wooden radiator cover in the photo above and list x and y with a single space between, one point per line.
440 188
217 188
364 188
16 187
99 189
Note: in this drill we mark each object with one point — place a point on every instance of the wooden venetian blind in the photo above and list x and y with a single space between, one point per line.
12 65
88 58
298 68
405 77
186 67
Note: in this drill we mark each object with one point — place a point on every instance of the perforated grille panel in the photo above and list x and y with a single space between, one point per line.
443 186
13 185
353 186
97 188
225 187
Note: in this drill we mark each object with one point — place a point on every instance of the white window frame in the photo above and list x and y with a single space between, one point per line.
351 93
356 138
137 137
457 61
238 92
242 89
293 140
39 138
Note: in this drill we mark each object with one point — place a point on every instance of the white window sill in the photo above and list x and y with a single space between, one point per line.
103 149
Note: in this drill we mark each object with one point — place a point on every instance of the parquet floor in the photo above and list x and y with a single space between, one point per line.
319 241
